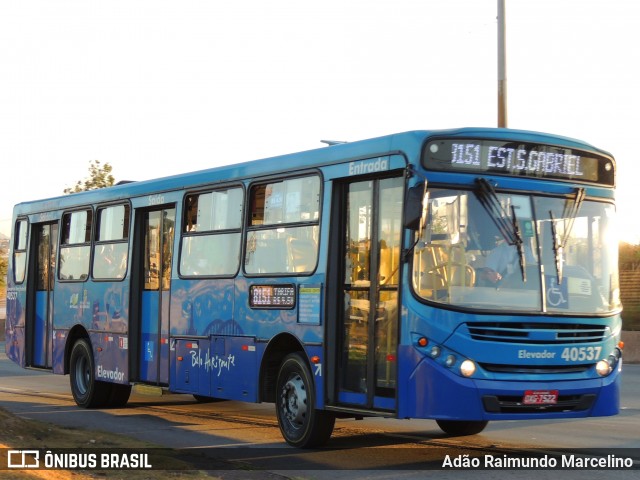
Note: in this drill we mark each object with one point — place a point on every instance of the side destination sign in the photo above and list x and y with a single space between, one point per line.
277 296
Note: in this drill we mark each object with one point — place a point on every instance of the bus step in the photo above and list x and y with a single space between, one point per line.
149 390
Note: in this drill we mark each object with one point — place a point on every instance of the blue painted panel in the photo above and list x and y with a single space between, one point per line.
189 377
111 357
222 367
100 306
384 403
14 346
40 329
163 346
318 372
149 355
203 307
59 344
232 365
77 303
352 398
15 321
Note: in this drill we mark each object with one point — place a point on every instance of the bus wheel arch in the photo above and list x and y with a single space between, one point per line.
277 349
75 334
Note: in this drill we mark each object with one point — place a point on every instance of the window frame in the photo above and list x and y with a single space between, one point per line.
86 244
104 243
17 250
257 228
186 235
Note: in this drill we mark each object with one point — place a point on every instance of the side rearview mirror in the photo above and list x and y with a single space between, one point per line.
415 207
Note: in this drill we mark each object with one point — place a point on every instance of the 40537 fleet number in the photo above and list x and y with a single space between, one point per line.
580 354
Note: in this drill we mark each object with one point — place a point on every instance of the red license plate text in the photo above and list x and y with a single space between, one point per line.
540 397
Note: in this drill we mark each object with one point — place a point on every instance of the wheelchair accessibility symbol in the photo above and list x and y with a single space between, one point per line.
557 294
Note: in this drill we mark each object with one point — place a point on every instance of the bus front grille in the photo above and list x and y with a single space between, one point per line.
536 333
535 369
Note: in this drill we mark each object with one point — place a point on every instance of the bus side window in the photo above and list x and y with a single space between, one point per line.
211 229
76 245
303 254
20 250
283 226
111 252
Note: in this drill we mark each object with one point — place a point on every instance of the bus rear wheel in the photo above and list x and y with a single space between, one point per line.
301 423
461 428
87 391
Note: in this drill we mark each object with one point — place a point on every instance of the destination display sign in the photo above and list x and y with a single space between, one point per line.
519 159
281 296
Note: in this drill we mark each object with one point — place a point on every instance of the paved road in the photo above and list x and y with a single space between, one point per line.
177 421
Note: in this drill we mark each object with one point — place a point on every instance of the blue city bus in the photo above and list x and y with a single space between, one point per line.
462 275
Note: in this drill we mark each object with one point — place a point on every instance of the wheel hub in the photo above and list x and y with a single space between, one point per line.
295 400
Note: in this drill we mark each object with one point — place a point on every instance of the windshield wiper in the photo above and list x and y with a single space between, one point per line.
570 214
508 228
519 244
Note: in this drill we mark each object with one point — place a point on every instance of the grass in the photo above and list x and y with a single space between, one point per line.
631 318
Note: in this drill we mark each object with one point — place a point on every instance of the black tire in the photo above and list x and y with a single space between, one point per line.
119 395
86 390
461 428
301 424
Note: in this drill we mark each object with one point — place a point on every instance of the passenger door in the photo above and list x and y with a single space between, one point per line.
40 320
369 252
157 229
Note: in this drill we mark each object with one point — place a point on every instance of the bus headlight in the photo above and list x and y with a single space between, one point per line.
467 368
603 368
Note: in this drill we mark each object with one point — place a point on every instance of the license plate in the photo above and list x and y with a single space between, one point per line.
540 397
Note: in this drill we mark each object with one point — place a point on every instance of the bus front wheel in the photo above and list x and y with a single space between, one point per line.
86 390
461 428
301 423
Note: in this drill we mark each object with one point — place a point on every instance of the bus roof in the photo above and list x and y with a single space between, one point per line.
410 143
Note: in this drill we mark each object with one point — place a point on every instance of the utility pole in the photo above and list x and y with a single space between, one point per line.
502 68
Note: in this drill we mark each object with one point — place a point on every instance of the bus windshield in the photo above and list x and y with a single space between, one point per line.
495 251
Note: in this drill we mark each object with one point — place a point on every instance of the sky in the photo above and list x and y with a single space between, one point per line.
160 87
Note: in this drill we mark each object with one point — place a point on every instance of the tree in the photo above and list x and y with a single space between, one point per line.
629 257
99 177
3 271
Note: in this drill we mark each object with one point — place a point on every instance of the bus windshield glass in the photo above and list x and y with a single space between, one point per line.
517 252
